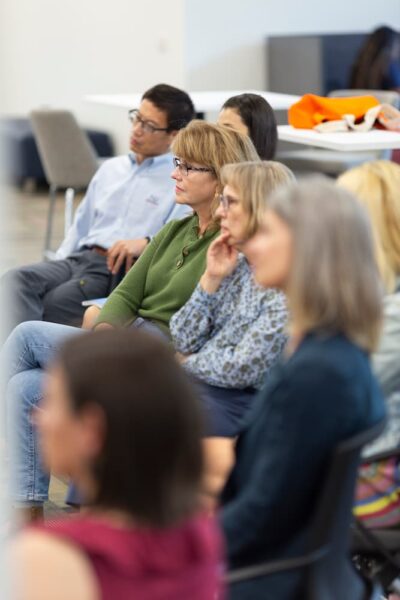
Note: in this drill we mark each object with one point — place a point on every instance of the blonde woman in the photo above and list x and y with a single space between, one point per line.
377 187
159 283
201 150
231 332
167 272
315 245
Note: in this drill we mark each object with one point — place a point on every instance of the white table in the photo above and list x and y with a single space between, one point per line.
351 141
203 101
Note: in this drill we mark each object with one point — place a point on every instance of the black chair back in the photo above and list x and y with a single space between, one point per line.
332 576
328 573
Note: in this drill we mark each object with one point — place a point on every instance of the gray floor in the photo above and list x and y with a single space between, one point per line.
23 229
22 232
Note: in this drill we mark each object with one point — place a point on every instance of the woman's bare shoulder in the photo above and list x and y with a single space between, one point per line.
45 567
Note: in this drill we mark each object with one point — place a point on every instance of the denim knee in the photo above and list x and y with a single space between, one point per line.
28 477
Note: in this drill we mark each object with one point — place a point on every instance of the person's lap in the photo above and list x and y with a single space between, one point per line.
224 408
54 290
63 304
33 345
31 348
89 279
224 411
22 289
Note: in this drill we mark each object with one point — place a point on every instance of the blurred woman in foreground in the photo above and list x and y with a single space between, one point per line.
120 418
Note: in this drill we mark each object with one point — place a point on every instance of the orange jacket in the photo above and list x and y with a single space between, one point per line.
311 110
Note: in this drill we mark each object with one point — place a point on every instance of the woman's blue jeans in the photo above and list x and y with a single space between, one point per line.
30 348
28 351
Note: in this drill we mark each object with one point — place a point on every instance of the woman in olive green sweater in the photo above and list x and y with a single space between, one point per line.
160 283
164 276
167 272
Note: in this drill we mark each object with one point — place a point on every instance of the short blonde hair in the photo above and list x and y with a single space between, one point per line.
213 146
254 182
377 186
334 284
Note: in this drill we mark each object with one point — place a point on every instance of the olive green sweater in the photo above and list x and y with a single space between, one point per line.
163 278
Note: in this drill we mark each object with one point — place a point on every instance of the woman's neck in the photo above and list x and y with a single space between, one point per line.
242 247
295 339
205 218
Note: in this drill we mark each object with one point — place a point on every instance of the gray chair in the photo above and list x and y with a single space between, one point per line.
332 162
69 161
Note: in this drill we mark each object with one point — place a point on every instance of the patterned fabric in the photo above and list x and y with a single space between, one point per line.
233 336
378 487
378 494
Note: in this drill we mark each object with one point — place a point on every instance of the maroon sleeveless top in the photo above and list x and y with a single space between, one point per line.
178 563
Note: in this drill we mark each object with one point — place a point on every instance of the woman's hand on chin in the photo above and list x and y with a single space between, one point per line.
221 262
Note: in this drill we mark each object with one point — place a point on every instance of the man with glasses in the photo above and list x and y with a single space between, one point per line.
128 200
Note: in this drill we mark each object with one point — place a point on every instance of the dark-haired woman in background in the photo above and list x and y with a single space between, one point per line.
377 66
120 417
252 115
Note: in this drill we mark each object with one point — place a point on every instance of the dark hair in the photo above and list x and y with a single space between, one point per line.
371 69
176 103
150 464
259 118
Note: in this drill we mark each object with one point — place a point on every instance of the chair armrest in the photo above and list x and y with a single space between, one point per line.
276 566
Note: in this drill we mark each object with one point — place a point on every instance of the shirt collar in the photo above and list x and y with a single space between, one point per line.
154 160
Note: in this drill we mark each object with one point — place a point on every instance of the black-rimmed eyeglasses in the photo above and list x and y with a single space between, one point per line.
185 169
135 118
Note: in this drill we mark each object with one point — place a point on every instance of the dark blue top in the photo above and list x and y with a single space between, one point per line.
323 393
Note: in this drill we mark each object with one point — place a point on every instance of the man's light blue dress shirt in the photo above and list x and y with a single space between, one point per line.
124 200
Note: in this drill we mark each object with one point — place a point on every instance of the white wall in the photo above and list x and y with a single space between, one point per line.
225 39
56 51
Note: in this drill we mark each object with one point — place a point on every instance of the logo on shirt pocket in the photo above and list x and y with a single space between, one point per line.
153 200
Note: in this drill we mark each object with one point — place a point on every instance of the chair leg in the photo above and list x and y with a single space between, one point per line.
47 254
69 209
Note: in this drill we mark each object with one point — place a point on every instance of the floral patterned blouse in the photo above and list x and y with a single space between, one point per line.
234 336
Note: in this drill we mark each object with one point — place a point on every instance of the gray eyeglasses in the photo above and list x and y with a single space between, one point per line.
185 169
227 201
134 117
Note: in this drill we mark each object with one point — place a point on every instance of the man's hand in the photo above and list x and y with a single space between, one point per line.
221 262
124 251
